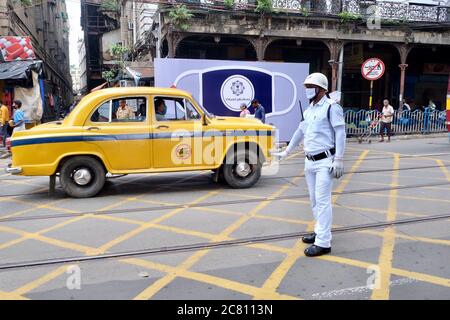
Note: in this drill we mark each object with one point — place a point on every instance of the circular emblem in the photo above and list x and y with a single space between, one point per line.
373 69
235 91
183 151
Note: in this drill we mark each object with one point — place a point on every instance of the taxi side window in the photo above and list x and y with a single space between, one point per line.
174 109
102 114
127 109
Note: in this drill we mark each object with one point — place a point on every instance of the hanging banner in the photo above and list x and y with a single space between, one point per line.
16 49
222 86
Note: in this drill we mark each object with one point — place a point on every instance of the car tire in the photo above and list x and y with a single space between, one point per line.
82 177
237 177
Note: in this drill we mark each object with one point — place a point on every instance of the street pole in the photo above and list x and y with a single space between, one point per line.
371 95
340 69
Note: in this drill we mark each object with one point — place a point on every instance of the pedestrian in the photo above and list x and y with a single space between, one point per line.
260 112
387 115
432 105
244 111
19 116
406 106
323 134
4 122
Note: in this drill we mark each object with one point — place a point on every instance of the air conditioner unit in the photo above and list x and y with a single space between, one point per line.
130 25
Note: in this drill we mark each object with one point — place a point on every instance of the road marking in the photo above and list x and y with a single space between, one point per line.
204 278
41 281
147 225
356 290
443 168
189 262
387 248
296 252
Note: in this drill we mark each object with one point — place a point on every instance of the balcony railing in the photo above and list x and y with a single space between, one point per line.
386 10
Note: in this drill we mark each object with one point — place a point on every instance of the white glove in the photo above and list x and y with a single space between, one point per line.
337 168
280 155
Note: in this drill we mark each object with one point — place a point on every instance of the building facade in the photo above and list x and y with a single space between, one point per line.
334 36
115 22
46 23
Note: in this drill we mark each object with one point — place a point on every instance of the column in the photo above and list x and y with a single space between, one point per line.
403 67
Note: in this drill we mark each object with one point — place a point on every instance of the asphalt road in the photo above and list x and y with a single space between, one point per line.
182 236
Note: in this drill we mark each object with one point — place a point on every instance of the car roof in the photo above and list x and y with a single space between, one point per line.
139 90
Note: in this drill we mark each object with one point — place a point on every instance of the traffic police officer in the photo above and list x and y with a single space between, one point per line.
323 134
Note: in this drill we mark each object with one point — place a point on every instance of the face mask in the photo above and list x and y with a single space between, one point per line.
310 93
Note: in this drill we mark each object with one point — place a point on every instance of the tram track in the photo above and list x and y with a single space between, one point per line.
212 245
190 181
212 203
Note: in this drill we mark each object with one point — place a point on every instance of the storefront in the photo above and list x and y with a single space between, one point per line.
23 80
21 77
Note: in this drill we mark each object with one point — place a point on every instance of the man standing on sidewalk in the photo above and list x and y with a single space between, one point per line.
387 115
4 119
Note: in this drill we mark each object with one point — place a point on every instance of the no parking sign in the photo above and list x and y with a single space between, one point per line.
372 69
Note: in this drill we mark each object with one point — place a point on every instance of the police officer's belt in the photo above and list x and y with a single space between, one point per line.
322 155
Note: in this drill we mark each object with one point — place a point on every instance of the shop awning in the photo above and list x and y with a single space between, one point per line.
20 70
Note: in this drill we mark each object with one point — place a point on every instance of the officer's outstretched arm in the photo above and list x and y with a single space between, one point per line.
296 139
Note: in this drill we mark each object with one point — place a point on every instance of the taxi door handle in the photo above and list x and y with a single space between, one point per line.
162 127
93 128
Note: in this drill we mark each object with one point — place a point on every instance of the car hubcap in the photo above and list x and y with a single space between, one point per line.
82 177
243 169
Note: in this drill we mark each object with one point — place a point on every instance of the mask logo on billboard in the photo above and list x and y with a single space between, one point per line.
235 91
223 89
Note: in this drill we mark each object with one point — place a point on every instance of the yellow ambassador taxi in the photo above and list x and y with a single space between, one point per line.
141 130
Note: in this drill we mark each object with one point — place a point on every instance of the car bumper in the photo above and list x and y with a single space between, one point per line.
12 170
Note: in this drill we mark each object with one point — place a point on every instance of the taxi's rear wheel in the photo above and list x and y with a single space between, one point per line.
245 172
82 177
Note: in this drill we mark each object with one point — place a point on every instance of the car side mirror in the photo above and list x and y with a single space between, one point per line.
205 123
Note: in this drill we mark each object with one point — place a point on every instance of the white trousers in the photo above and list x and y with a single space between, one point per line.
320 185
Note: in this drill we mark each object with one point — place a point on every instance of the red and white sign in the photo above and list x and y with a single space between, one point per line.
16 48
373 69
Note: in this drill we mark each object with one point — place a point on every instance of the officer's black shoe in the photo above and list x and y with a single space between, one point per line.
309 239
315 251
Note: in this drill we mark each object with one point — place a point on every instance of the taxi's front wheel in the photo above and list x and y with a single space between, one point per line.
82 177
244 172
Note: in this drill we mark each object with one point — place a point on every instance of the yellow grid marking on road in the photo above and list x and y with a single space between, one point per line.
379 195
57 242
445 282
379 174
146 226
426 278
40 281
189 262
11 296
271 285
277 276
33 208
207 209
202 277
388 246
443 168
160 227
200 234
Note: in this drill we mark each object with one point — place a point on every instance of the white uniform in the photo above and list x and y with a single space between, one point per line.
320 135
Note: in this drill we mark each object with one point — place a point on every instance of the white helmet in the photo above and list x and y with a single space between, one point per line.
318 79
